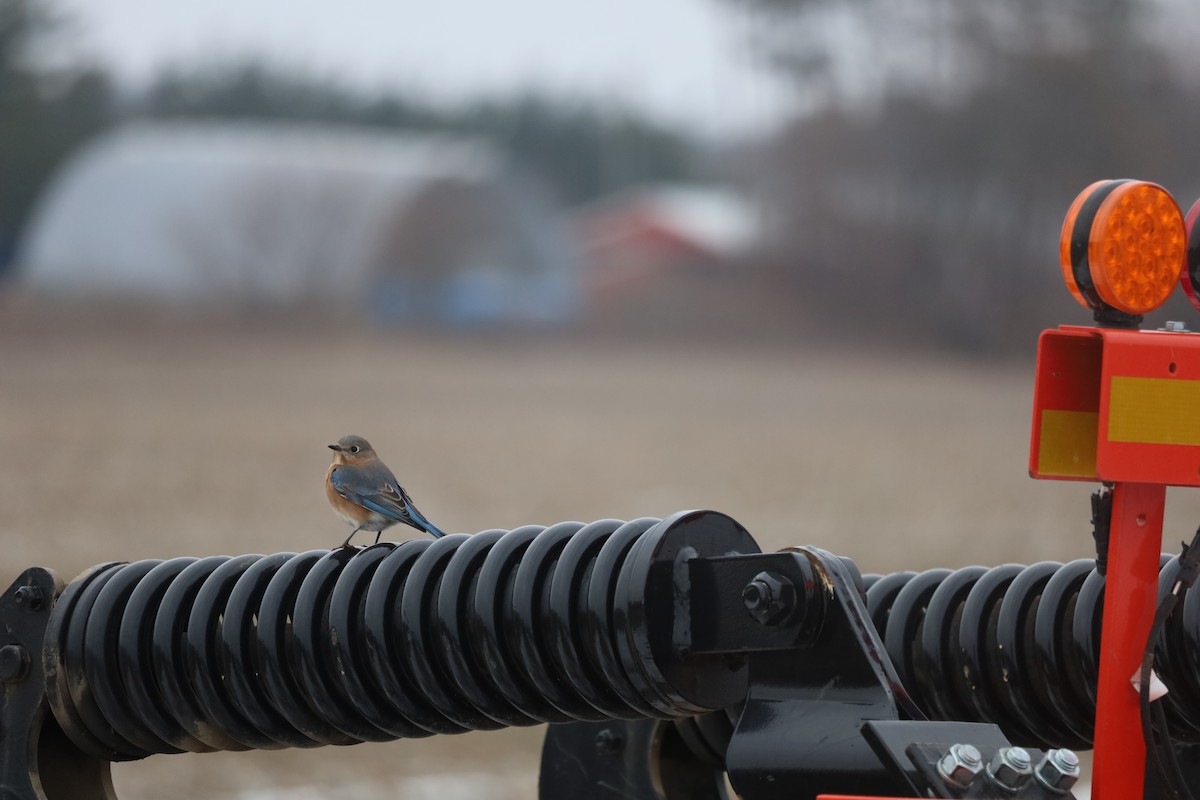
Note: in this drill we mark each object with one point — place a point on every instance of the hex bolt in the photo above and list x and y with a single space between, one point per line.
769 598
1011 768
961 765
29 597
608 743
1058 771
757 595
14 663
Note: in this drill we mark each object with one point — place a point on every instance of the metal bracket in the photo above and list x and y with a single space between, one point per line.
824 711
799 733
37 761
914 749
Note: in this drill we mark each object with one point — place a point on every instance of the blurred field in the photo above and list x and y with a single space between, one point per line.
129 434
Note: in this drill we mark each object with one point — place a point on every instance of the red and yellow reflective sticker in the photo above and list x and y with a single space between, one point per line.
1067 444
1154 411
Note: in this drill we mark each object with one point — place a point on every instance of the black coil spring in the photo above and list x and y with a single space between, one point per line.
526 626
1019 646
336 647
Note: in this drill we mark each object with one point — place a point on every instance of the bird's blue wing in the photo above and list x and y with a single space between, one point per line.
378 491
359 488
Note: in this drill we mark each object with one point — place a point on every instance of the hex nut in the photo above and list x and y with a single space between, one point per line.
1058 771
961 765
1011 768
769 597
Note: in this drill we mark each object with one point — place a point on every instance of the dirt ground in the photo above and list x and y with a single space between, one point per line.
130 435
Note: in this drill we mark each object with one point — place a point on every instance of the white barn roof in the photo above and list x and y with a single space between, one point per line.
260 212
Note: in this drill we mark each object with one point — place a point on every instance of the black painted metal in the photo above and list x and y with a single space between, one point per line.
620 759
1188 756
799 732
624 634
719 620
36 759
565 623
1020 647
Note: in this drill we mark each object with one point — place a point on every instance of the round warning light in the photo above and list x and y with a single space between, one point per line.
1190 277
1123 246
1071 255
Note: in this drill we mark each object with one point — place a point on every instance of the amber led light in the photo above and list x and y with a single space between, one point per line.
1123 246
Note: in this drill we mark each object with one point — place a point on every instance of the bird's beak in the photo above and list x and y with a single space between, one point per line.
334 447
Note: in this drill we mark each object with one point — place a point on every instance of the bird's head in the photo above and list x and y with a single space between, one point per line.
351 450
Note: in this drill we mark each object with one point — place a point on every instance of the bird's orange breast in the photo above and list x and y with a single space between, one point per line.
351 512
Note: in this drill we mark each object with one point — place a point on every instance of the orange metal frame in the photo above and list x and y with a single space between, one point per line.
1121 407
1117 406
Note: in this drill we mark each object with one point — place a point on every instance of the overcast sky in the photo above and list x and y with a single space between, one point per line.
682 60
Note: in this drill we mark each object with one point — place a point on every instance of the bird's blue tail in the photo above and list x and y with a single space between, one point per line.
419 520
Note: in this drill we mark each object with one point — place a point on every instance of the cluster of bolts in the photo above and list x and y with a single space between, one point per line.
1010 769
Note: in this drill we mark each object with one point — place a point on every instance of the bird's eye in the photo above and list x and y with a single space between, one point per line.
354 449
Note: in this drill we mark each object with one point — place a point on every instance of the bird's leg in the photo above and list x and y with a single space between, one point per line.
377 535
351 536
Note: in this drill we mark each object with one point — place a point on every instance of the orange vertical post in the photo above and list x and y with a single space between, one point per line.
1119 770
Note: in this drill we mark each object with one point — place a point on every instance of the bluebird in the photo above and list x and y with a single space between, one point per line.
365 493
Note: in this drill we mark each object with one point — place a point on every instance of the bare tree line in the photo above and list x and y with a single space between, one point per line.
924 189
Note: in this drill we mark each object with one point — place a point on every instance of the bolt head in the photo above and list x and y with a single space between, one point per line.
1058 771
608 743
1011 768
961 765
769 598
14 663
29 597
756 595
